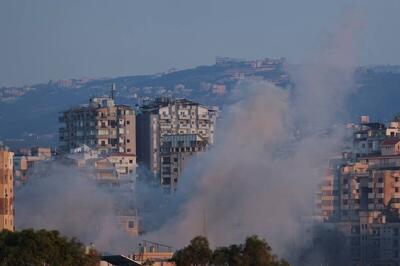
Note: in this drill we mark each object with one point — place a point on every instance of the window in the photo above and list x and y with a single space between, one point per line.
131 224
166 170
128 141
128 150
130 161
127 122
166 181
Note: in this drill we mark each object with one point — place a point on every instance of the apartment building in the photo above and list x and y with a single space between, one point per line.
367 138
110 168
327 198
169 131
360 196
175 153
6 189
101 125
129 222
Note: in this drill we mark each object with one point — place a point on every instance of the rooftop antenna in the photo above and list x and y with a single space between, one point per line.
113 91
204 223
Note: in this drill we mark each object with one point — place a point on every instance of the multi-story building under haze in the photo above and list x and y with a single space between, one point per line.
101 125
360 196
6 189
169 131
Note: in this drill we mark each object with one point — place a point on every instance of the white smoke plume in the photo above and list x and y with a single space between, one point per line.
262 175
260 178
64 198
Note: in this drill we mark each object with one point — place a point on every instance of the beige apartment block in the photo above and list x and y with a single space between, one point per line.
101 125
6 189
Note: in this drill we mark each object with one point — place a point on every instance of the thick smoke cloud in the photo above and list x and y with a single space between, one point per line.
271 150
260 177
64 198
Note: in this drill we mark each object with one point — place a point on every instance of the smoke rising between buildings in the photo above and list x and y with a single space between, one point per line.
259 178
271 148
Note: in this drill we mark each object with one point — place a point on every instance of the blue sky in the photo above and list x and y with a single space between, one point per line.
55 39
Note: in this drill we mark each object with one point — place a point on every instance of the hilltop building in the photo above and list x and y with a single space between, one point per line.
6 189
101 125
169 132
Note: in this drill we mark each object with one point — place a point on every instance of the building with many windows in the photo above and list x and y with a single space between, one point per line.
101 125
6 189
360 196
169 131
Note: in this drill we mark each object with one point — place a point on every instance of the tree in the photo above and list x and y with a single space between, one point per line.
254 252
257 252
198 253
29 247
148 263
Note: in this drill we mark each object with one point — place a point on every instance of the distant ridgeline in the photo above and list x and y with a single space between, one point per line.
30 113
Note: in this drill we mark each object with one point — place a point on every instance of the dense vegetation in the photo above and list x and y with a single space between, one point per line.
254 252
29 247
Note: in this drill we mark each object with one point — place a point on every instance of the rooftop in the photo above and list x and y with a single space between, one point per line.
390 141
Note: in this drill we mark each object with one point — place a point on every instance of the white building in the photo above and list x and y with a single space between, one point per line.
166 117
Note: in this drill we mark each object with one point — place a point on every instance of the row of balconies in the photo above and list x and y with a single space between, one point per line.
377 195
372 206
376 184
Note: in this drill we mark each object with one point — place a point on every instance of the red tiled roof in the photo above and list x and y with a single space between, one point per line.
390 141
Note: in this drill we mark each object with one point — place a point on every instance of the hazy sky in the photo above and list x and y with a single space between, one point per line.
54 39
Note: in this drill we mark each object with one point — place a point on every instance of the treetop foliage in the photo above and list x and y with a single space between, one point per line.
29 247
254 252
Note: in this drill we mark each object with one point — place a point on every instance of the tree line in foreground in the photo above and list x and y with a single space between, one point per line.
254 252
45 248
48 248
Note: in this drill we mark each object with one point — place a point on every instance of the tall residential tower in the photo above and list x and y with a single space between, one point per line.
101 125
168 132
6 189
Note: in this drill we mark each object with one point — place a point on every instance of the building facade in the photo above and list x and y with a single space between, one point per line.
101 125
360 196
169 131
6 189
